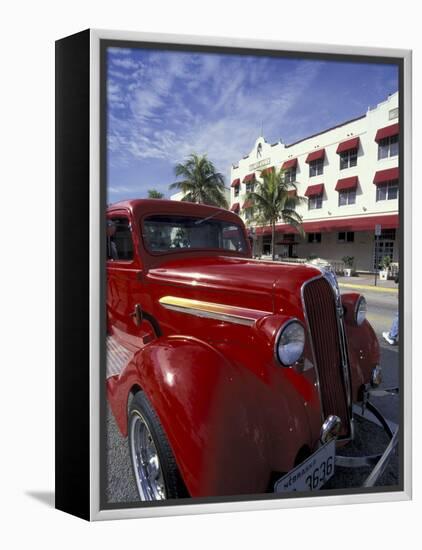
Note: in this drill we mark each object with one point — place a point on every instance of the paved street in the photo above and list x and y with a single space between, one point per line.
382 306
121 485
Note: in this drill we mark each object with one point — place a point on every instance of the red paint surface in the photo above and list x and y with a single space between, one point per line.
347 183
315 155
383 176
387 131
348 145
314 190
363 223
231 413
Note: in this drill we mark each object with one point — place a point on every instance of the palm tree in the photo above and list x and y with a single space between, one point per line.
275 199
154 194
201 182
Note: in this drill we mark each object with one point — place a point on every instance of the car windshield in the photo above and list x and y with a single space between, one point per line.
170 233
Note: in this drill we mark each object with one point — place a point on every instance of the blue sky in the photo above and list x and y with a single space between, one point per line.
164 105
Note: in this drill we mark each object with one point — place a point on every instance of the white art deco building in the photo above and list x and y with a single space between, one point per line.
349 175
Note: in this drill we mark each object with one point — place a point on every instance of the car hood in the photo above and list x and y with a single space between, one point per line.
264 285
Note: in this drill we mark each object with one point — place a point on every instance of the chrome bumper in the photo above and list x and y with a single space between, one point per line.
379 461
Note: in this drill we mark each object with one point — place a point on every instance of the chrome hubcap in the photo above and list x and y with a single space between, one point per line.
148 474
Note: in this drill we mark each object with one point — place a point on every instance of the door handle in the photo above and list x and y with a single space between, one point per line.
137 315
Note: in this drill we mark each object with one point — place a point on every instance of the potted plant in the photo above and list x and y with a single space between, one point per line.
385 267
348 265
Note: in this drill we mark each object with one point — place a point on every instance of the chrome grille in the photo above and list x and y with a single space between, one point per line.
321 313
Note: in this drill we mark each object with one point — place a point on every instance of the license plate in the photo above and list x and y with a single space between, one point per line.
311 474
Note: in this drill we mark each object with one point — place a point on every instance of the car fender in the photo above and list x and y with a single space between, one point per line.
364 354
213 414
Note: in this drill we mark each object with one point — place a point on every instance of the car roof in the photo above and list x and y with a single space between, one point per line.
140 207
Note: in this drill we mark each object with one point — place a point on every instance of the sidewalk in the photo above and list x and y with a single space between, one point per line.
366 282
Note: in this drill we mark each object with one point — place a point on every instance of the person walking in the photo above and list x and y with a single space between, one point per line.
392 336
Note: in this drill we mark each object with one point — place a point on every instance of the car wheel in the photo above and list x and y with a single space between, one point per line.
156 473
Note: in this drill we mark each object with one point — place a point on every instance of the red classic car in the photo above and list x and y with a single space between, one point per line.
229 375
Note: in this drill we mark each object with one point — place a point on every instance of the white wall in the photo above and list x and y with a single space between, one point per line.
329 248
362 248
368 163
179 196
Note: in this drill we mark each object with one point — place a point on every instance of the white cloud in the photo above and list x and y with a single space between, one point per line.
205 103
118 190
125 63
119 51
145 103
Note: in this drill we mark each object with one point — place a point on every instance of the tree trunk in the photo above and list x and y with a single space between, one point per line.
273 239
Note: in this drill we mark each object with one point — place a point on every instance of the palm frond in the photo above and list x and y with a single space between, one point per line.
201 182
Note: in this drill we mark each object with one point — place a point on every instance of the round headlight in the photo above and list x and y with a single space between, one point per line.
290 343
360 313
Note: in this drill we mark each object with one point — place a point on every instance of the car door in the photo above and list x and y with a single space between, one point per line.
124 286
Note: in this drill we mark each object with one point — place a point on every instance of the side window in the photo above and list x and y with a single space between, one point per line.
316 168
119 239
388 147
348 159
290 175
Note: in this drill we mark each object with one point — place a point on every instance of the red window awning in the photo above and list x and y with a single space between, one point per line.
362 223
314 190
315 155
248 204
346 184
267 171
236 182
348 145
382 176
289 164
249 178
235 207
387 131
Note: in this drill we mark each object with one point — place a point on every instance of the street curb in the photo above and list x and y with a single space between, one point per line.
369 287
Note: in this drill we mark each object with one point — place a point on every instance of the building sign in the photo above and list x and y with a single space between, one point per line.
260 164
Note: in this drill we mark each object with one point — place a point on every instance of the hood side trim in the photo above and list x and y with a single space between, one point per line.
211 310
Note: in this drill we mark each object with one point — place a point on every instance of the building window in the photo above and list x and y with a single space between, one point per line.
388 234
266 244
316 167
315 202
314 237
383 248
236 191
348 159
248 213
346 237
348 196
393 113
290 175
387 191
250 187
388 147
